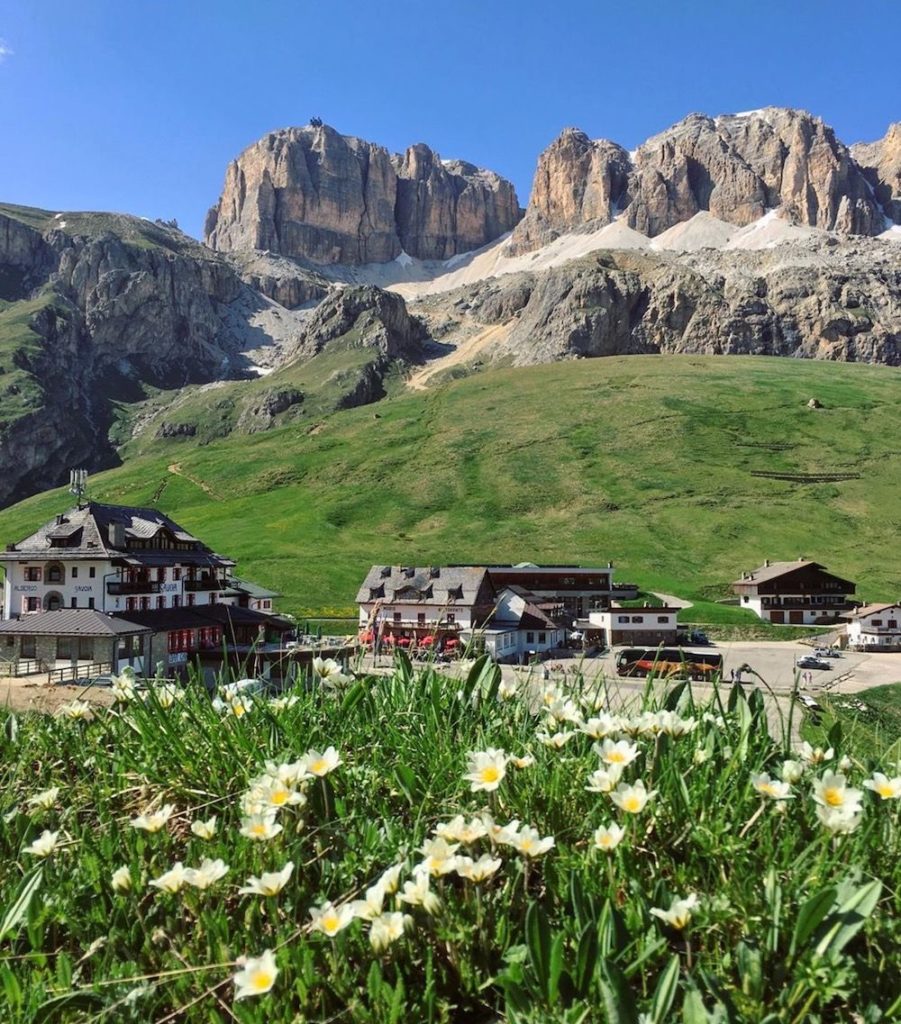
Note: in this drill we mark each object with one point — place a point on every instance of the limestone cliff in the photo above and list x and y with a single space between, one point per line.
881 162
318 195
736 166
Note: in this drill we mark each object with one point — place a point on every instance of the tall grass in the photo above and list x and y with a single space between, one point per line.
792 923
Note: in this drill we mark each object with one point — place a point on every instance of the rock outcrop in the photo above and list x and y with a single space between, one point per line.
365 316
820 299
737 167
314 194
881 162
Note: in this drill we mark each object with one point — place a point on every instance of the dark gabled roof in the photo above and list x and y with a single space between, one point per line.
71 622
447 585
87 529
531 616
774 570
870 609
251 589
202 616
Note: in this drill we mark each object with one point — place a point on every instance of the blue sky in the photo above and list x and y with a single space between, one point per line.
138 105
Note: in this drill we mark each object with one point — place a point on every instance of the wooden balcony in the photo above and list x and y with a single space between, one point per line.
132 587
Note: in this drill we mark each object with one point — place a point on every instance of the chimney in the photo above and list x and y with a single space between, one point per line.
117 536
766 563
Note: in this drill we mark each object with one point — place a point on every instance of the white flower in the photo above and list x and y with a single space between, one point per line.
45 799
882 785
477 870
555 740
283 703
792 771
387 928
460 830
418 893
632 799
439 856
210 871
256 976
78 710
277 794
121 880
621 752
486 769
522 762
269 883
814 755
172 880
674 725
845 764
329 673
237 705
529 843
153 821
604 779
330 919
601 726
840 820
700 755
772 788
123 686
291 773
501 834
166 695
679 913
44 845
390 878
371 905
321 764
507 690
832 791
204 829
608 837
563 711
260 826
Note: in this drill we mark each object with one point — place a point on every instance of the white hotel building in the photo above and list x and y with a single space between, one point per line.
114 559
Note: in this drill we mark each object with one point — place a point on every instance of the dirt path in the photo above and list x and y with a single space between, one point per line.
463 353
176 470
671 601
34 693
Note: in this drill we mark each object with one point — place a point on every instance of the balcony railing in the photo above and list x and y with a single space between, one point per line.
806 602
207 583
133 587
388 624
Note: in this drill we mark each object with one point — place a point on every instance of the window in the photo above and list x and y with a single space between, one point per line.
397 616
451 617
32 575
145 604
267 604
55 573
663 618
420 619
161 602
176 573
746 599
85 648
28 647
74 572
176 601
877 622
73 603
213 598
530 638
32 604
622 618
190 599
542 638
131 604
92 572
161 574
638 618
892 623
64 648
90 602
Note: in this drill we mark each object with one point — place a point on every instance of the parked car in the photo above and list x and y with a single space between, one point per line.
699 637
827 652
809 661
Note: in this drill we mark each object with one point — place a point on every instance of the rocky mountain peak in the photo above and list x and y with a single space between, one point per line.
315 194
881 163
737 167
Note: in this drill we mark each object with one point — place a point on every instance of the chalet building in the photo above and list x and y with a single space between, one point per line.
650 626
153 594
516 610
61 639
111 558
796 593
875 627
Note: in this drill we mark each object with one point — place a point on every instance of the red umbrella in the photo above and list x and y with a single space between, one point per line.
366 636
427 641
403 641
451 643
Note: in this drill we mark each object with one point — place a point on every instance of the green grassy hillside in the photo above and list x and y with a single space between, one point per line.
652 462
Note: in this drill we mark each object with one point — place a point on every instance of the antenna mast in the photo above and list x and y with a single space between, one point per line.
78 483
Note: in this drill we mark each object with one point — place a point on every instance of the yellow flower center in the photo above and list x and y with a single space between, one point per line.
605 841
330 922
490 774
261 980
259 829
526 845
319 767
834 796
885 790
279 796
632 804
616 757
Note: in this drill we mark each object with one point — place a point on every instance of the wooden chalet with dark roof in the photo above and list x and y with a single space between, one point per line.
799 593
